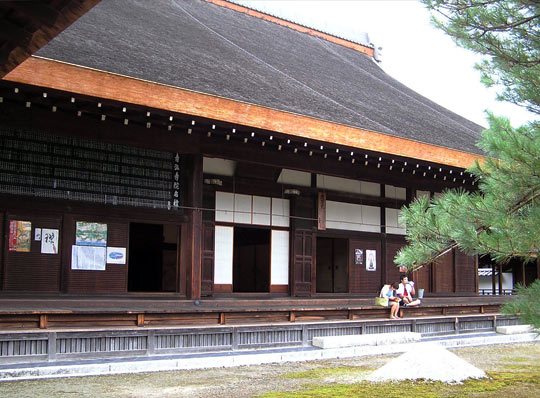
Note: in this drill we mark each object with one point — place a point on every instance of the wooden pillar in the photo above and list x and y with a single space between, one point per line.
434 286
523 274
493 282
538 268
3 255
383 264
500 279
476 273
191 250
454 269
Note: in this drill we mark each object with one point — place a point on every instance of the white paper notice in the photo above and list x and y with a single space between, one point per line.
371 260
49 241
88 258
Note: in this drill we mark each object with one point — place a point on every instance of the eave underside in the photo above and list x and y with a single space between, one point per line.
88 82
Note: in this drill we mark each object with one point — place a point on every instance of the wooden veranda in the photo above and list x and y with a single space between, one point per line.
54 311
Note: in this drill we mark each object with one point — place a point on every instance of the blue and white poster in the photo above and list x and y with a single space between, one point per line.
116 255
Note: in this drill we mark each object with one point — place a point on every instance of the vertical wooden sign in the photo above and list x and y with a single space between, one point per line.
322 211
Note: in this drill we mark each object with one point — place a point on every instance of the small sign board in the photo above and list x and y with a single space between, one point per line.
116 255
371 260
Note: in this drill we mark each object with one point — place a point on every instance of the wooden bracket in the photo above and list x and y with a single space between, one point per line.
292 316
43 321
140 320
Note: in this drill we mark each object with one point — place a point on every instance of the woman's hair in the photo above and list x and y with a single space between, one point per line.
395 285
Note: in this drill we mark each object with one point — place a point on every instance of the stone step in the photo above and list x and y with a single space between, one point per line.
514 329
366 340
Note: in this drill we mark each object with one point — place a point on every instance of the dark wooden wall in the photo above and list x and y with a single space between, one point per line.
392 272
422 279
360 280
466 273
114 278
32 271
52 273
444 274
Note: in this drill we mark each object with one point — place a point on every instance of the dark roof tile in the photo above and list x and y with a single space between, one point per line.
200 46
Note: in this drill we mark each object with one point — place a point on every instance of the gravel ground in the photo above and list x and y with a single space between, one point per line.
250 381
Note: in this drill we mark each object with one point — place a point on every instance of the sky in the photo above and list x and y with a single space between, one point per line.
413 51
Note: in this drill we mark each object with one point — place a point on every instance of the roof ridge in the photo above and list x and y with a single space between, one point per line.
367 49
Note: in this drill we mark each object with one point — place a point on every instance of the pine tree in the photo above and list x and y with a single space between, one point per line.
502 218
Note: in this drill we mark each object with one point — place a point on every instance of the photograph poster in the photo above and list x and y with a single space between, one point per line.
20 235
371 260
358 256
90 234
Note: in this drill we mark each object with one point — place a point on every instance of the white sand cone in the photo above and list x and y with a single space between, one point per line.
428 361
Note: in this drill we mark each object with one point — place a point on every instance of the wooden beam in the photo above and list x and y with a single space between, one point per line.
85 81
320 165
43 22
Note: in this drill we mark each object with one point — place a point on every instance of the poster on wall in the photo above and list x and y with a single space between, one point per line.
90 234
90 258
20 233
37 234
371 260
49 241
358 256
116 255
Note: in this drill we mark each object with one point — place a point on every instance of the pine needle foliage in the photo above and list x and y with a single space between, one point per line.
502 218
526 304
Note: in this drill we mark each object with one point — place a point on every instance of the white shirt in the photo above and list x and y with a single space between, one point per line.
401 289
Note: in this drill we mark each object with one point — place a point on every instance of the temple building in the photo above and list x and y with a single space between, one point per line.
203 149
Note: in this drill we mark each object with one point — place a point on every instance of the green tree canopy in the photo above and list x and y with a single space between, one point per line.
502 217
507 32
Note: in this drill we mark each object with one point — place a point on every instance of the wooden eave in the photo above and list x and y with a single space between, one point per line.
90 82
26 26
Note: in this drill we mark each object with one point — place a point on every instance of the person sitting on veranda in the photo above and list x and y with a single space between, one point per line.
406 292
389 291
